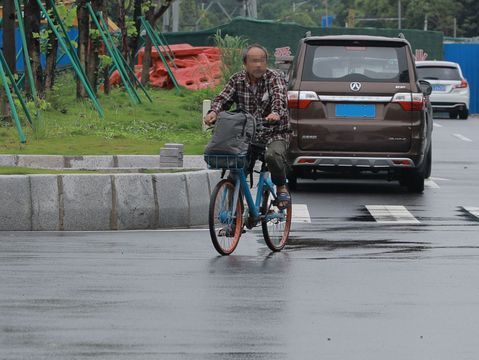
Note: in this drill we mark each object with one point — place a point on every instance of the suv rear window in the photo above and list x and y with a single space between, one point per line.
364 62
438 73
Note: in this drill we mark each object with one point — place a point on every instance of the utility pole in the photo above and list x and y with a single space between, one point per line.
425 22
455 28
399 14
175 12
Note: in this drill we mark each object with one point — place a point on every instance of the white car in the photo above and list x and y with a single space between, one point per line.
450 90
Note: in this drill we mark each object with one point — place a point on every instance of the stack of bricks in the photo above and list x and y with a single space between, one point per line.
171 156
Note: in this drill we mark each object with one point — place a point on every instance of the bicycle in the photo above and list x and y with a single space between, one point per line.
229 214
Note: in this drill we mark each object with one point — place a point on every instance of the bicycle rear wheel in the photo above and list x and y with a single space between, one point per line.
276 223
225 228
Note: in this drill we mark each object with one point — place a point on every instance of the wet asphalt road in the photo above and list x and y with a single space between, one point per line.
346 286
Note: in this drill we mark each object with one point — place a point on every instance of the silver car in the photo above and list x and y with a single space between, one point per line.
450 90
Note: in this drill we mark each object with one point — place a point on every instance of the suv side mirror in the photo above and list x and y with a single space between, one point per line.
426 88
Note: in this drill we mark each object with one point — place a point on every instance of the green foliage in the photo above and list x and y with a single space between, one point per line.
73 127
94 34
130 27
230 46
145 6
43 36
68 14
105 61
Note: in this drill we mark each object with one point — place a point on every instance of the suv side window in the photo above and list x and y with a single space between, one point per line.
351 62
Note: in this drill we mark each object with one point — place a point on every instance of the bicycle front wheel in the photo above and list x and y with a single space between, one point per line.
225 227
276 223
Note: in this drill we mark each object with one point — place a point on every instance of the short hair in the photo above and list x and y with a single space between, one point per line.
258 46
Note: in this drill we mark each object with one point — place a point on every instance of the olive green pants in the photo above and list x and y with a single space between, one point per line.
275 157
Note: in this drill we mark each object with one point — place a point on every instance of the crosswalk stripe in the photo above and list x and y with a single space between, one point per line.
462 137
391 214
438 125
301 214
472 210
431 184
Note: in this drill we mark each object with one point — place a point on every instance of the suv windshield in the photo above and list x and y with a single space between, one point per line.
438 73
348 62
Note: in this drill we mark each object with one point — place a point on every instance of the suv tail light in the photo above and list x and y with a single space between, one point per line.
410 101
301 99
462 85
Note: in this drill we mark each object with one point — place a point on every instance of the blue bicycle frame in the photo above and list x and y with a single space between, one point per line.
239 178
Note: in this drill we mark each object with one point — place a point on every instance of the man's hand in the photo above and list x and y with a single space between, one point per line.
210 118
273 117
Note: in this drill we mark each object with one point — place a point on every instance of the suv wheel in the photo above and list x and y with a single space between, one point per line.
292 181
415 181
464 114
428 171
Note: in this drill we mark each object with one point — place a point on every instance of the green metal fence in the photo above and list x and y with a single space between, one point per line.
274 35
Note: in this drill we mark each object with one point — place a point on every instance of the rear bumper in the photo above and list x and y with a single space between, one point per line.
448 106
365 163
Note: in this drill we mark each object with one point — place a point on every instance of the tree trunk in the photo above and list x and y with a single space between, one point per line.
51 57
83 37
9 51
123 29
106 81
146 62
94 49
32 17
134 40
8 25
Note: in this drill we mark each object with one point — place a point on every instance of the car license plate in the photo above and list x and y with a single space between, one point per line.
356 110
438 87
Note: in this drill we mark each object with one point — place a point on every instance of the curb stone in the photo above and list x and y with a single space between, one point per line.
79 202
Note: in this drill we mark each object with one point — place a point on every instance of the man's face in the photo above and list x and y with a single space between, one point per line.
255 64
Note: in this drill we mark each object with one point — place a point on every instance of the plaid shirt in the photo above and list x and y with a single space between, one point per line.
270 97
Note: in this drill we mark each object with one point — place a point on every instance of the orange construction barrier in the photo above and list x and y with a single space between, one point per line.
197 67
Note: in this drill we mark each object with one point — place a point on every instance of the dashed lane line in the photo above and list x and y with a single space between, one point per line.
462 137
438 125
391 214
431 184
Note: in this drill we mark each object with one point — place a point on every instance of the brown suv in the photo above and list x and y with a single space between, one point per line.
356 106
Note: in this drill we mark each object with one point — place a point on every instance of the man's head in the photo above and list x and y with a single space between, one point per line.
255 60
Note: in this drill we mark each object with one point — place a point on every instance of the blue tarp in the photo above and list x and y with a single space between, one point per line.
65 61
466 55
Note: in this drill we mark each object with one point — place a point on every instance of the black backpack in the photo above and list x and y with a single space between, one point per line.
230 145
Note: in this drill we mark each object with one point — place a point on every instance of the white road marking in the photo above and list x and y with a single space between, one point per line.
391 214
431 184
437 125
300 214
439 179
462 137
472 210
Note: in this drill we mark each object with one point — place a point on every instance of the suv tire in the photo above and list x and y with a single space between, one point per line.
292 181
464 114
427 173
415 181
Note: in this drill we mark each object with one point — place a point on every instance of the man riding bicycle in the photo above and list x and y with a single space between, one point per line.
261 92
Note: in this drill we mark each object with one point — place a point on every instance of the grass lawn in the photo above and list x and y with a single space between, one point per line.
72 127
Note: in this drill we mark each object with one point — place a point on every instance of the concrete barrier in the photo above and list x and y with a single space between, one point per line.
106 201
92 162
